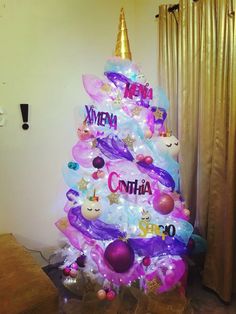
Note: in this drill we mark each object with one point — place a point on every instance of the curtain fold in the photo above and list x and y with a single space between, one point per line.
196 66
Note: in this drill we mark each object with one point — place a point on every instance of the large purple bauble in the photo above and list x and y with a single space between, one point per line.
119 256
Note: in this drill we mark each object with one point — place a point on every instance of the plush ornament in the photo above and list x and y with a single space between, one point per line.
91 208
111 295
119 256
73 273
145 215
146 261
84 133
98 162
66 271
101 294
168 144
163 203
81 260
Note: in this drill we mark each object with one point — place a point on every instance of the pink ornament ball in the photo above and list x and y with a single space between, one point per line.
74 266
163 203
101 294
148 160
140 157
100 174
111 295
95 175
146 261
73 273
66 271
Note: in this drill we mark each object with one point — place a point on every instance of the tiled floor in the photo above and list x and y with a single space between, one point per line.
201 300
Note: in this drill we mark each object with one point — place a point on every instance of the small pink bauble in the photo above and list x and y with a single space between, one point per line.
146 261
148 160
66 271
140 157
95 175
100 174
101 294
73 273
111 295
74 266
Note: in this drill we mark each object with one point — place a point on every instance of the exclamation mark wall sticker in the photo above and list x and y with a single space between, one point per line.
25 113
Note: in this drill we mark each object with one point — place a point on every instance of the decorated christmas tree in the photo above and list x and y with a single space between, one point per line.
125 218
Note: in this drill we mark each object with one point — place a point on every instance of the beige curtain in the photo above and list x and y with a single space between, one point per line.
197 68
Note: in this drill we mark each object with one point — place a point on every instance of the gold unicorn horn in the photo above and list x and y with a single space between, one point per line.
122 42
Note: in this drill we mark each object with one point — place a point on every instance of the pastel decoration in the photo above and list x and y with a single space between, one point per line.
168 144
84 132
84 153
91 209
96 88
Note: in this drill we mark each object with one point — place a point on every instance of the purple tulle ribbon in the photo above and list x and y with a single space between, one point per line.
157 173
118 79
114 148
95 229
155 246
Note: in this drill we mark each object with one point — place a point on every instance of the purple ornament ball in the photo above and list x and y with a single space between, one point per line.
81 260
163 203
98 162
119 256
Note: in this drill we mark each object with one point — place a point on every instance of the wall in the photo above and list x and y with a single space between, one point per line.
46 46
